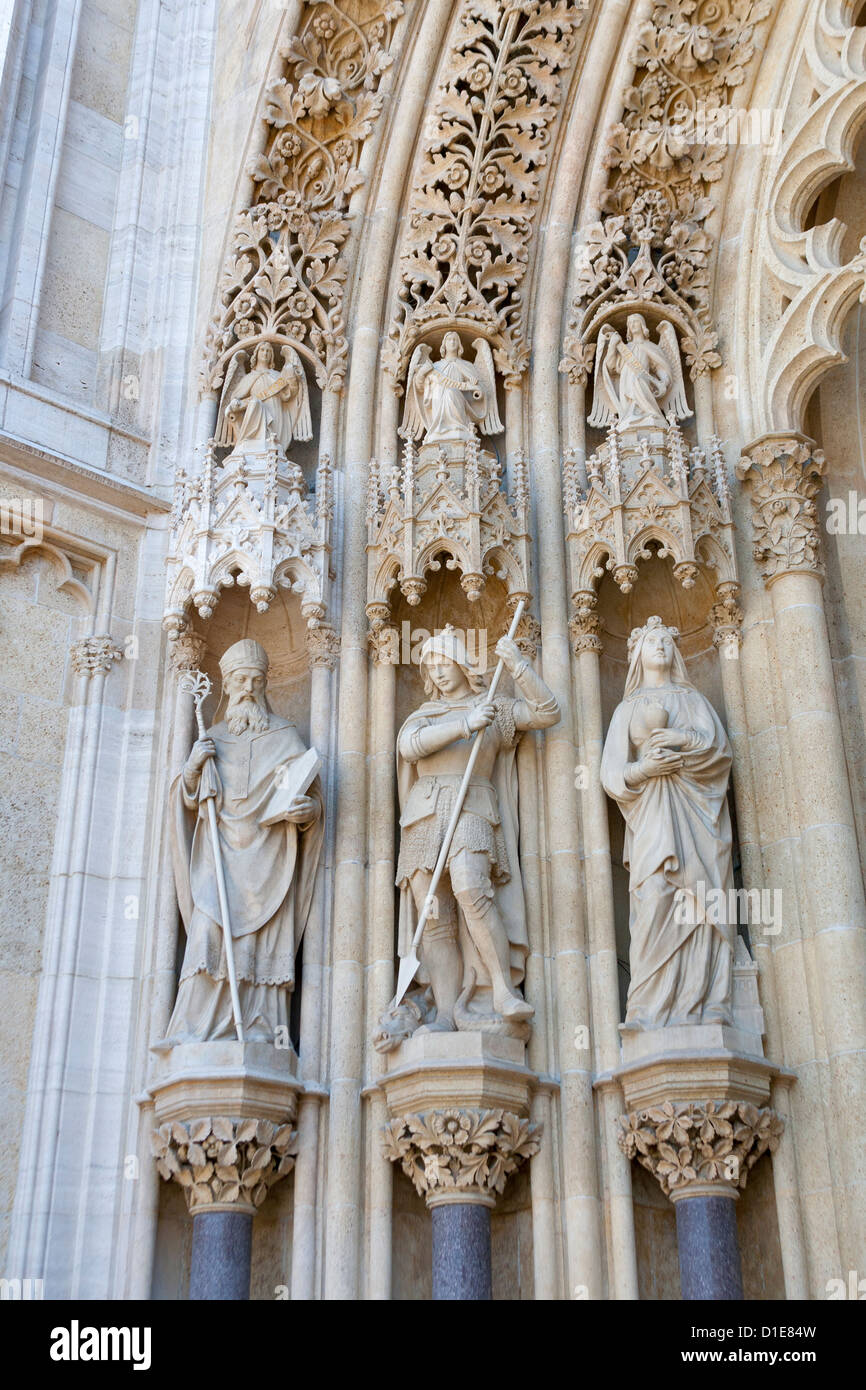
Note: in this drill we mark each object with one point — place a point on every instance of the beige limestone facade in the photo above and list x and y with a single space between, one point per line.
325 326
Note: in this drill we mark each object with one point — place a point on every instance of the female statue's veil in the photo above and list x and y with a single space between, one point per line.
679 674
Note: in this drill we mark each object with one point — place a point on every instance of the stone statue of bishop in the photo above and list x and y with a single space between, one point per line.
269 867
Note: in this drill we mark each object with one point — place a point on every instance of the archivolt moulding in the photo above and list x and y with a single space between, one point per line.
817 289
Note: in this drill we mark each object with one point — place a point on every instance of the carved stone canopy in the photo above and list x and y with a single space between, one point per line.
643 488
248 521
445 504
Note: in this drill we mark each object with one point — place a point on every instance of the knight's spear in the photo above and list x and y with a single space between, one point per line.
198 685
410 963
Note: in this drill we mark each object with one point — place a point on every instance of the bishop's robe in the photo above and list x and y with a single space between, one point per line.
269 872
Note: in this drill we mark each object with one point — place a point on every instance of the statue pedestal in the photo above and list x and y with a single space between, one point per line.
251 1080
432 1070
692 1063
459 1105
698 1120
224 1113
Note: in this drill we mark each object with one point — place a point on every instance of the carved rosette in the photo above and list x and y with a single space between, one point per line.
782 475
714 1143
94 655
224 1164
323 646
458 1155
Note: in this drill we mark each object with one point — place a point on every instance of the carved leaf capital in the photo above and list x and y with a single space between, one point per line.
225 1162
460 1150
713 1141
782 476
93 655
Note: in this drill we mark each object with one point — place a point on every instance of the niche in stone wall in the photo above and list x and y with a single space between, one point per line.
281 631
481 623
656 592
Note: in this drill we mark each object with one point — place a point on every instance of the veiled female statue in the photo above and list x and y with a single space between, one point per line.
263 403
666 764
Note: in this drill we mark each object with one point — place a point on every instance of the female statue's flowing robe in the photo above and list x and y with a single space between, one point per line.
677 849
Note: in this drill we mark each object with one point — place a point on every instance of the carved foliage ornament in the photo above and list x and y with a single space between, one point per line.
709 1141
665 155
95 655
224 1162
460 1150
783 477
286 275
472 209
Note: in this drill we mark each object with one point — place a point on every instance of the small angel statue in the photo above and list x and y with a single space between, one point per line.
638 382
261 404
447 400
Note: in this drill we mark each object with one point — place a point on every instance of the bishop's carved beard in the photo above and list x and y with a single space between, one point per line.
246 714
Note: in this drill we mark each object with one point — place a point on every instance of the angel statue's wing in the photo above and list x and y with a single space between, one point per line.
605 405
674 401
302 425
235 372
414 424
491 424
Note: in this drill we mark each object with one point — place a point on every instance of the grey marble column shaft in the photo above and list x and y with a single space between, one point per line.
222 1243
461 1252
708 1249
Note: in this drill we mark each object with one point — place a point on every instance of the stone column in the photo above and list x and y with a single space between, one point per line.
584 629
459 1126
701 1151
782 474
380 960
224 1113
226 1168
323 650
459 1160
709 1255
